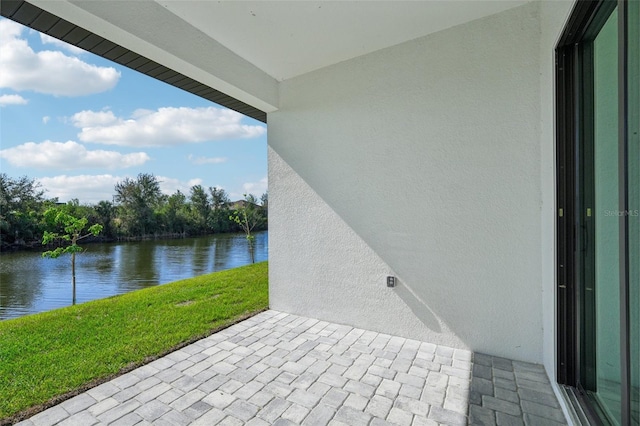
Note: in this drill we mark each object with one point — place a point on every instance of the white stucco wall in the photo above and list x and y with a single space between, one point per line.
424 161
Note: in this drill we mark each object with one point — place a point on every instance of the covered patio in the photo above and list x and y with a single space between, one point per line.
283 369
430 143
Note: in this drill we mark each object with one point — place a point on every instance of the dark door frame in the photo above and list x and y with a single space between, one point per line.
571 97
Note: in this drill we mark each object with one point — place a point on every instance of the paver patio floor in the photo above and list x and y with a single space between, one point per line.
282 369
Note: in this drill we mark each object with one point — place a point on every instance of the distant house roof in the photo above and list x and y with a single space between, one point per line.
234 205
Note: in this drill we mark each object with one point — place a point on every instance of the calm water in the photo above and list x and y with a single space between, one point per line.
30 284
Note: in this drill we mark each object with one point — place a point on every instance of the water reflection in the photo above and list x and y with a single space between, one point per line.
138 264
13 291
201 257
30 284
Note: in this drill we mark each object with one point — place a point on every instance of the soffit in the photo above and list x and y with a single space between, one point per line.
289 38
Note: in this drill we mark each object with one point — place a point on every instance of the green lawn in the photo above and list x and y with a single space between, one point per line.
50 354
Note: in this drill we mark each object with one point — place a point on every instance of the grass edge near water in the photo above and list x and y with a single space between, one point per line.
255 275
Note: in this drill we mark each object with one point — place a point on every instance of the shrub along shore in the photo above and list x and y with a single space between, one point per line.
48 357
139 211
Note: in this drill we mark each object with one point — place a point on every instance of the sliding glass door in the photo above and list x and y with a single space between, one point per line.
633 164
598 197
602 225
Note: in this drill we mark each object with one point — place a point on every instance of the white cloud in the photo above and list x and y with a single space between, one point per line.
47 39
256 188
9 30
68 156
207 160
164 127
50 72
170 186
45 119
93 118
88 189
12 100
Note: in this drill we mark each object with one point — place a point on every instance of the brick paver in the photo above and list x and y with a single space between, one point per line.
282 369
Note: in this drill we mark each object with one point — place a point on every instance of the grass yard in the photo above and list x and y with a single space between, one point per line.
48 355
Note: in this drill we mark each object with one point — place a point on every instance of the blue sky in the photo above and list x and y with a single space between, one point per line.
79 124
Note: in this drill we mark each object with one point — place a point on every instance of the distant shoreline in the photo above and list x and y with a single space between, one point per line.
36 245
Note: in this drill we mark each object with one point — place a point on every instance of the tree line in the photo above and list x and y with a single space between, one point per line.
138 210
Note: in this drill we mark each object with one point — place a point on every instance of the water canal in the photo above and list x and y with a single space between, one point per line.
30 284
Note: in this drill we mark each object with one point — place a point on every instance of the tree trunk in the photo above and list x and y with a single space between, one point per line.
252 251
73 276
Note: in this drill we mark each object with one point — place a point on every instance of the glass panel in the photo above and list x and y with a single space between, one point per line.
634 205
606 212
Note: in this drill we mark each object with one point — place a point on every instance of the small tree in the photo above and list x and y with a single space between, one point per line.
73 228
248 217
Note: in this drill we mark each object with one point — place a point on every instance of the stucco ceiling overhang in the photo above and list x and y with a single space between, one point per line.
235 52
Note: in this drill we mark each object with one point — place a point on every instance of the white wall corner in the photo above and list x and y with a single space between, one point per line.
427 156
